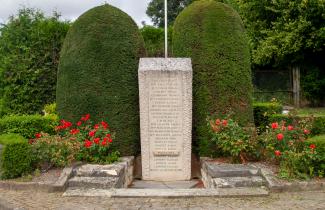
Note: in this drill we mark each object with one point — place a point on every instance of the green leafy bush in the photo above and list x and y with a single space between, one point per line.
318 126
17 160
98 73
30 45
84 141
213 36
50 109
154 39
232 139
28 125
53 151
11 138
263 111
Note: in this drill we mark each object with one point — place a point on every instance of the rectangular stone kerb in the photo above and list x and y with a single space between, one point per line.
165 89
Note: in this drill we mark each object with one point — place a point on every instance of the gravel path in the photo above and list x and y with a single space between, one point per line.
37 200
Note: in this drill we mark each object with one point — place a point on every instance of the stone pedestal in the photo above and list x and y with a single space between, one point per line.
165 88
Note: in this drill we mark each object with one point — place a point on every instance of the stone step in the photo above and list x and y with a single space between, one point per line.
230 170
232 182
89 170
141 184
168 193
94 182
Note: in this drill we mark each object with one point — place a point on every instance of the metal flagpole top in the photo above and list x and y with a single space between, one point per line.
166 31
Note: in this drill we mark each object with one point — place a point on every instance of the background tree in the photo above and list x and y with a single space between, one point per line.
30 45
286 33
155 10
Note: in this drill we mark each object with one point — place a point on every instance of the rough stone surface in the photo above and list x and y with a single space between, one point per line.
277 201
228 182
140 184
165 88
94 182
222 175
116 175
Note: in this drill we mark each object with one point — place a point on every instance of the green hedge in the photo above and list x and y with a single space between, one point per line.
213 36
28 125
98 73
319 141
263 111
318 126
11 138
16 160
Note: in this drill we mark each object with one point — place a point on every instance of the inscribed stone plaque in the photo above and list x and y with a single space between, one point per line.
165 88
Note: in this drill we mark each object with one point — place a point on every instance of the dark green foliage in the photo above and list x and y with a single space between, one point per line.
288 119
212 34
29 54
319 141
28 125
16 160
313 83
263 111
98 73
11 138
154 39
318 126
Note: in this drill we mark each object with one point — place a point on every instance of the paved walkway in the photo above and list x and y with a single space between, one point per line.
37 200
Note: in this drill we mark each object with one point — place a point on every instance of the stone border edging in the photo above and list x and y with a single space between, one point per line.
168 193
277 185
59 186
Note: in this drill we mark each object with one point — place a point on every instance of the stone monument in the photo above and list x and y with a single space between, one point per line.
165 87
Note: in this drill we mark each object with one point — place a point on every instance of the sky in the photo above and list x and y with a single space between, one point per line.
72 9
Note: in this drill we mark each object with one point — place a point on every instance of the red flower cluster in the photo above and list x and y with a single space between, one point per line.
64 125
312 146
74 131
38 135
88 143
277 153
280 137
275 125
85 118
224 122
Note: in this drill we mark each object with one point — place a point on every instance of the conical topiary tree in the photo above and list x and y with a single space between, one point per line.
98 73
212 34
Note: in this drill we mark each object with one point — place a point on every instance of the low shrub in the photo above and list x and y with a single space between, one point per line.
84 141
11 138
263 111
233 140
50 109
53 151
16 160
286 145
28 125
318 126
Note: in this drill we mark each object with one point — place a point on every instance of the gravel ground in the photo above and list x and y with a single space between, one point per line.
34 201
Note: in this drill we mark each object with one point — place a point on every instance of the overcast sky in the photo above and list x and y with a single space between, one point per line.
72 9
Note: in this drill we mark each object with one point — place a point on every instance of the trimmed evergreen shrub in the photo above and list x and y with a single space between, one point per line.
11 138
98 73
16 160
28 125
318 126
212 34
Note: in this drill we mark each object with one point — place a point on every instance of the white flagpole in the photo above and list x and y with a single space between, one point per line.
166 32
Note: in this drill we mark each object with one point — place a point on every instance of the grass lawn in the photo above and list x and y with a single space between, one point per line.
11 138
316 112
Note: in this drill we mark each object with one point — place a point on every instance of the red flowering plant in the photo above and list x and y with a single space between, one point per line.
280 137
232 139
95 139
286 145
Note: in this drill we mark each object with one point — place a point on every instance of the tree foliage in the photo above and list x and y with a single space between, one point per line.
156 10
283 32
213 36
30 45
98 73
